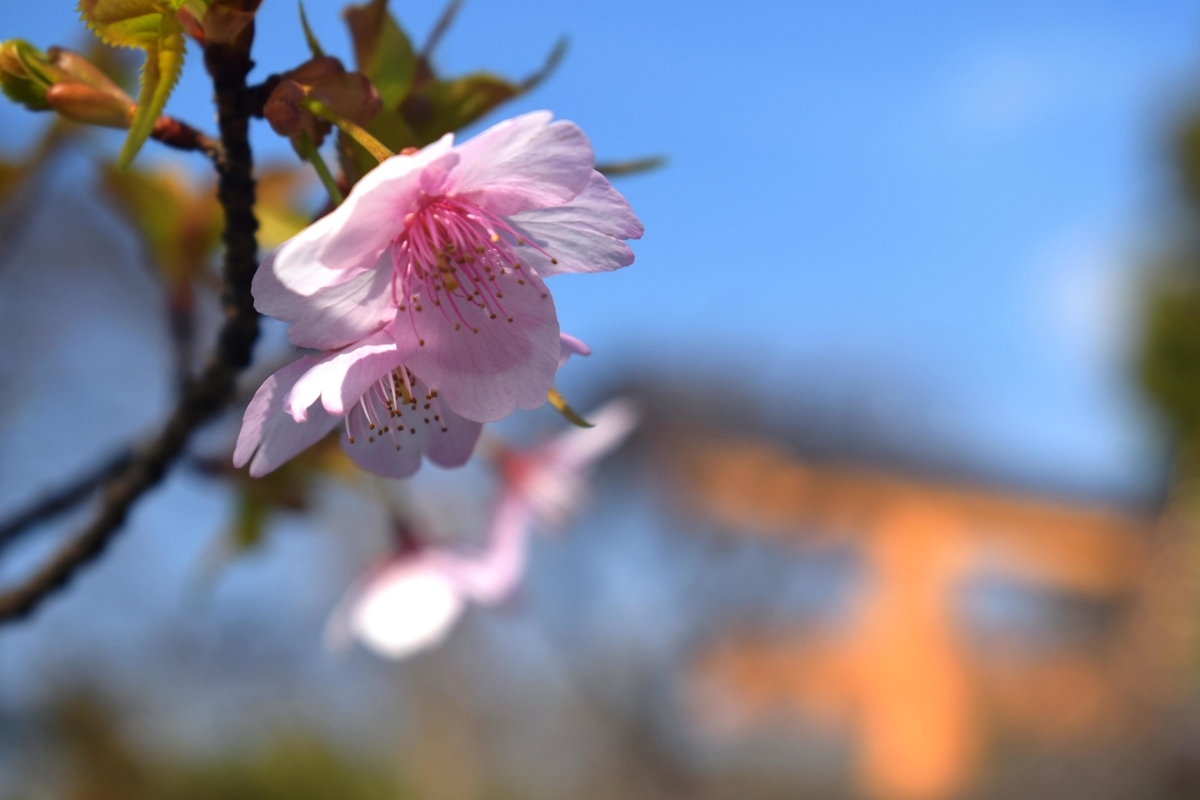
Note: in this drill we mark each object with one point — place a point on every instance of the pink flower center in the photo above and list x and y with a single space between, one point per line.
450 255
394 406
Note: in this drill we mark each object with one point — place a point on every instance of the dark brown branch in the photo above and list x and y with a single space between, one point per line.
211 391
61 500
255 97
181 321
181 136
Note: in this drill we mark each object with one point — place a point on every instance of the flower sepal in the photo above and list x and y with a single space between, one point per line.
311 94
561 405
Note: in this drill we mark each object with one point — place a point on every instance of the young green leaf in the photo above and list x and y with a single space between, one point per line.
178 222
148 25
442 106
314 46
383 51
435 106
394 64
164 63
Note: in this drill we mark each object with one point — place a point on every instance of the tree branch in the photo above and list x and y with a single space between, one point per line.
228 64
178 134
255 97
61 500
181 321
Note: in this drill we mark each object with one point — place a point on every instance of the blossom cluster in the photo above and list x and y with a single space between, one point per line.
422 297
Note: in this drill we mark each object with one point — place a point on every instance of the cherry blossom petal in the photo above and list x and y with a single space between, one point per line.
374 211
405 608
493 577
394 454
584 235
332 317
453 446
571 347
340 379
523 163
350 239
485 375
294 263
269 436
392 442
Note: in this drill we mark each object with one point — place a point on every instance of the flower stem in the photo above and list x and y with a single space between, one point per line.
356 132
312 155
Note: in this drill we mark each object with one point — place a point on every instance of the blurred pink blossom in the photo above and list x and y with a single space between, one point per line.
412 601
450 245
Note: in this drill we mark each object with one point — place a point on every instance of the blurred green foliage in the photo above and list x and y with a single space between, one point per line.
20 172
1170 367
178 222
286 489
95 762
1169 362
418 105
293 768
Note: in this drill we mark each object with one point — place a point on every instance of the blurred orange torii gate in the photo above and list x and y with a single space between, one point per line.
900 680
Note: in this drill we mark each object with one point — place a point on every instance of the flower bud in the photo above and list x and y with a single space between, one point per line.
80 103
87 95
350 95
26 73
64 81
285 111
78 69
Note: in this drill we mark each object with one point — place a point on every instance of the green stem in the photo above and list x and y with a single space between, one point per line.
356 132
310 153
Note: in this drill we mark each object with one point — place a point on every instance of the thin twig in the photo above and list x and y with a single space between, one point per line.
548 66
439 29
612 169
60 500
182 136
228 64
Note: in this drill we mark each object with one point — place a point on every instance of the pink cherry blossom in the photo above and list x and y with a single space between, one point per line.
547 484
450 245
411 602
390 417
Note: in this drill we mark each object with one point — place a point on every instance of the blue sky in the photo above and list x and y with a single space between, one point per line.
939 206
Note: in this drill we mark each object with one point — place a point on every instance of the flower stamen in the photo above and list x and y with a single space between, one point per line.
454 251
